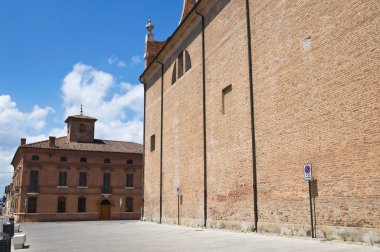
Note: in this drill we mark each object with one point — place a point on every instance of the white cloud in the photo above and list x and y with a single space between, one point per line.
121 64
115 60
15 124
119 114
136 59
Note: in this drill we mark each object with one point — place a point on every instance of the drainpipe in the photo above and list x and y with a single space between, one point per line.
143 162
162 117
204 119
254 173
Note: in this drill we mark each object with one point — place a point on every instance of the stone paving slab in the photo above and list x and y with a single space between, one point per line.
109 236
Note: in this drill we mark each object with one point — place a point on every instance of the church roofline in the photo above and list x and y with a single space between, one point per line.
181 25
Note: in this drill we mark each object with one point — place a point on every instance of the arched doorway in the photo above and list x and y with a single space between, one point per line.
105 210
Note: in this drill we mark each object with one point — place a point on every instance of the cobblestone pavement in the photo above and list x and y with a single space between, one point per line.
109 236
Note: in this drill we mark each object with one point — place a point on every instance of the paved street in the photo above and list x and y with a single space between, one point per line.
139 236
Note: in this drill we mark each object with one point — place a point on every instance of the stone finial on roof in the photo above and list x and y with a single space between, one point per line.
81 109
149 26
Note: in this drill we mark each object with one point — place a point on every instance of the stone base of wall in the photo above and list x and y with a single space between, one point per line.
89 216
341 233
244 226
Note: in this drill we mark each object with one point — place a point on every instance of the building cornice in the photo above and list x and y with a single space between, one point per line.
172 39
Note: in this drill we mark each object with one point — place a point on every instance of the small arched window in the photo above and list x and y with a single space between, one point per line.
63 159
187 61
35 157
83 159
107 161
174 75
129 161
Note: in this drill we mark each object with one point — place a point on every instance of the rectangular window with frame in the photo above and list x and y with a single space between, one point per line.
62 181
83 179
129 204
81 205
82 127
129 180
33 182
32 205
61 205
106 183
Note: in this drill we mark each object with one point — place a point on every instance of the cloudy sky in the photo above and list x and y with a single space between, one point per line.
57 55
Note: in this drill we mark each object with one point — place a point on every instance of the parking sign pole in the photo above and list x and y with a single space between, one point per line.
311 212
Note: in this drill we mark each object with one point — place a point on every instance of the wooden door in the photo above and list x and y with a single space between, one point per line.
105 212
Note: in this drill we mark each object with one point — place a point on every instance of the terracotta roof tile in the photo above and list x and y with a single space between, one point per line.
97 145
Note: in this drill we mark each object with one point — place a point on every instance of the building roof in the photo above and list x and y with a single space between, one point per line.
61 143
80 117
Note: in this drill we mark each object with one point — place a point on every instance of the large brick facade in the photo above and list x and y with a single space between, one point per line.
314 71
63 179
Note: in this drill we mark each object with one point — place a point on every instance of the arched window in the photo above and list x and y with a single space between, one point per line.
83 160
174 75
63 159
35 157
187 61
107 161
180 67
61 205
129 161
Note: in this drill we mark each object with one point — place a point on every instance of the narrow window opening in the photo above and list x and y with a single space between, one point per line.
35 157
152 142
187 61
174 75
180 65
129 161
226 99
83 160
82 127
107 161
63 159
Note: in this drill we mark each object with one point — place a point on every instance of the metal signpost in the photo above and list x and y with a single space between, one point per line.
309 178
178 198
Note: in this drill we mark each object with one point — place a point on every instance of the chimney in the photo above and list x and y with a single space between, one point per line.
22 141
51 141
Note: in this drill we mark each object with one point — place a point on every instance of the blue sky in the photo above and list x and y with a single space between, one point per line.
58 54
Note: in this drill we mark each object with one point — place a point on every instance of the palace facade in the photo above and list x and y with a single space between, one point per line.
77 177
